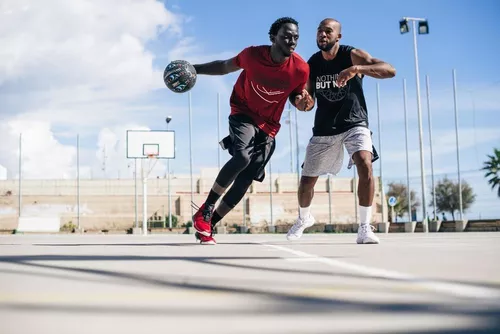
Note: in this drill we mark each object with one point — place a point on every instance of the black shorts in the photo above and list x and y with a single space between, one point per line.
244 135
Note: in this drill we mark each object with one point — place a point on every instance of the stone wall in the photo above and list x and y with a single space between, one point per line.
110 204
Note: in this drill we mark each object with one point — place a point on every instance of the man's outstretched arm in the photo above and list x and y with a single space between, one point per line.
364 64
370 66
217 67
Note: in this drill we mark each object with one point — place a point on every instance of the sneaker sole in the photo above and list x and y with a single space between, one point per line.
368 242
210 243
197 237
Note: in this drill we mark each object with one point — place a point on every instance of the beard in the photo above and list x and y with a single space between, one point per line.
327 47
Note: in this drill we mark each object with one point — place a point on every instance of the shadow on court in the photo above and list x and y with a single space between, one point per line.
29 260
282 303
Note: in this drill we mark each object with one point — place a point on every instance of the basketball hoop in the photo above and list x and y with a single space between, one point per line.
148 146
153 158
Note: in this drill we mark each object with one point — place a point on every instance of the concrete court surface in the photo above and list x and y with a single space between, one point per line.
323 283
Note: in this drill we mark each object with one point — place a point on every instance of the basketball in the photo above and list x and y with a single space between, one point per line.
179 76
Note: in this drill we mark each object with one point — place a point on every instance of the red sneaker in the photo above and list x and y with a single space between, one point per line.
205 240
202 220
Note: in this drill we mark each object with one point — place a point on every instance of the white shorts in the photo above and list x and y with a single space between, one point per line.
325 154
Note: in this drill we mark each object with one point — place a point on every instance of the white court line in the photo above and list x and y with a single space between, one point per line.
454 289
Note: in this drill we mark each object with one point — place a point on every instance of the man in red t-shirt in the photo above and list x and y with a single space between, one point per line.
271 75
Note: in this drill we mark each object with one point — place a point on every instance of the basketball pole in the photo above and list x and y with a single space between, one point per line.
19 199
135 194
218 131
144 201
271 193
355 186
329 199
190 151
168 120
78 179
408 190
297 147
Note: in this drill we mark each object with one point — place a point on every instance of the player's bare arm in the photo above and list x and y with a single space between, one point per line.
365 64
217 67
304 101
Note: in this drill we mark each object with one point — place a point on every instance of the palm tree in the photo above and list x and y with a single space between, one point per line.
492 168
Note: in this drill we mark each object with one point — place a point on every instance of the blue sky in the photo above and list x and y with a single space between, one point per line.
454 43
98 78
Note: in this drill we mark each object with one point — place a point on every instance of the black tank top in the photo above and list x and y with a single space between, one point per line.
338 109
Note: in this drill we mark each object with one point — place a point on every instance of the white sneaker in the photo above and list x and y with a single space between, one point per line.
366 235
298 228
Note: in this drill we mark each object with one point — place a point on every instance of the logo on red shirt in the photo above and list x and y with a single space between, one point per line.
266 94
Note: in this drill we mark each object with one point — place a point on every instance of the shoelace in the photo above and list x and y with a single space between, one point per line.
297 226
206 213
365 229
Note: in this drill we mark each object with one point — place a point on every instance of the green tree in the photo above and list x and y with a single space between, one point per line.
399 191
175 220
492 168
447 196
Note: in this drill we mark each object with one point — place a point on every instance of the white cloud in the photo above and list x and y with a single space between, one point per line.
82 61
80 66
42 155
92 44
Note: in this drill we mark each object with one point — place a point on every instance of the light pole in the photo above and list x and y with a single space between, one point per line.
218 131
289 121
408 189
423 28
458 146
290 133
297 147
382 192
191 150
430 143
168 120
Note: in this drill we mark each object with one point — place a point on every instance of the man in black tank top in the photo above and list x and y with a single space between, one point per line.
341 120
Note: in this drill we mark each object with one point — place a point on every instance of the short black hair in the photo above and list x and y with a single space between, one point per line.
276 26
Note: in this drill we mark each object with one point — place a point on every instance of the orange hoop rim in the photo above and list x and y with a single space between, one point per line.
152 156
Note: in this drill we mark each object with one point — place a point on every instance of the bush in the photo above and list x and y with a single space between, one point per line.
175 221
69 226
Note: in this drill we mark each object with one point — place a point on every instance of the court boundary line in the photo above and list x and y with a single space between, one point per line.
453 289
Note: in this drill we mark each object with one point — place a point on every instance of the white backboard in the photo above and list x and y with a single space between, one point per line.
140 143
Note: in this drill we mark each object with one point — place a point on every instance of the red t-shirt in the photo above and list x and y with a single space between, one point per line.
263 87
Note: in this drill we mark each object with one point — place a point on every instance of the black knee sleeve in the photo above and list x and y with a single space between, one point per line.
228 173
240 160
